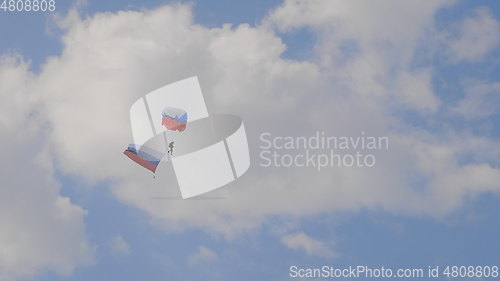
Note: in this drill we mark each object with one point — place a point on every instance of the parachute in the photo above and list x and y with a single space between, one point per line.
174 119
144 156
201 154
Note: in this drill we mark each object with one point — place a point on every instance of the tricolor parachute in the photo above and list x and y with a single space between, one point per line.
174 119
144 156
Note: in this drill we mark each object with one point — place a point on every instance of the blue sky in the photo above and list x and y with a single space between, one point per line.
373 235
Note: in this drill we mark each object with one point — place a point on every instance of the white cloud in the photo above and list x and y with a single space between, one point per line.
415 90
385 36
120 247
313 247
482 99
448 181
202 255
477 36
39 229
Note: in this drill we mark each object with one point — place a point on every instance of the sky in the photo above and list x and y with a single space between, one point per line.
423 74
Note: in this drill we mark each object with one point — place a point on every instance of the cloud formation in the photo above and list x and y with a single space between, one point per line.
312 247
39 229
203 254
482 100
120 247
477 35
